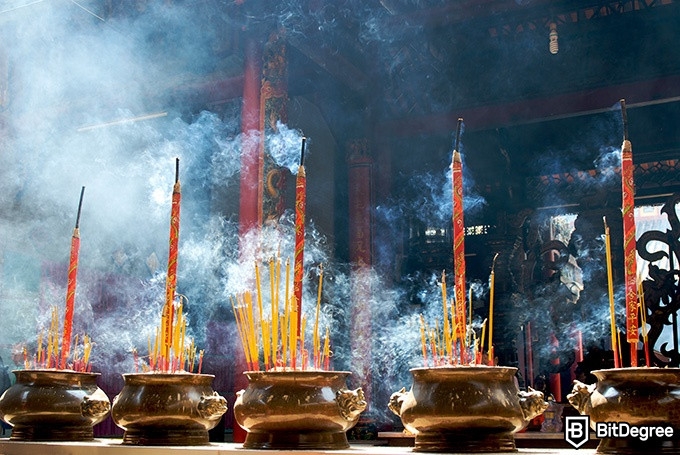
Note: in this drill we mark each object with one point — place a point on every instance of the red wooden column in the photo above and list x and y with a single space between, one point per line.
265 100
360 181
251 157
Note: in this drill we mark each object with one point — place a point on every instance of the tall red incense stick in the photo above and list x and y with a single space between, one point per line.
630 264
458 222
171 280
300 203
71 287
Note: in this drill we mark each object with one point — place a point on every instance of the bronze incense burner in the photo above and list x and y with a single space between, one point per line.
292 410
640 397
170 409
53 405
465 409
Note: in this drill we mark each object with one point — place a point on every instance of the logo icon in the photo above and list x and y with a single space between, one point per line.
576 430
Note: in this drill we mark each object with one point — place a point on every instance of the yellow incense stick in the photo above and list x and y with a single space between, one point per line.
87 347
610 285
447 336
483 337
274 283
491 297
303 325
316 341
285 330
326 347
643 312
469 333
252 337
423 340
263 327
292 333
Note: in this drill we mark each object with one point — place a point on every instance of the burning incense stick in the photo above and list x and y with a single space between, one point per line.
610 285
491 297
458 219
71 287
630 265
171 280
300 203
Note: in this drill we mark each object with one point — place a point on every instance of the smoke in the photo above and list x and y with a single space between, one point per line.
427 196
89 104
285 147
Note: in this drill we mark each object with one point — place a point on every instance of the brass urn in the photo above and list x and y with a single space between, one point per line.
53 405
291 410
465 409
170 409
639 397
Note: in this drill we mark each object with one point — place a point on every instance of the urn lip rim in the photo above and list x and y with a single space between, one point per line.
59 371
625 372
489 368
179 374
636 369
308 372
294 376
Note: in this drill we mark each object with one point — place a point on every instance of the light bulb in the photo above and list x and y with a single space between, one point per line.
554 47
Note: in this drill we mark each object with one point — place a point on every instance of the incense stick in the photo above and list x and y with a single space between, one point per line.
610 285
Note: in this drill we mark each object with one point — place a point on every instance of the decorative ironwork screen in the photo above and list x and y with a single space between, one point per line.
661 290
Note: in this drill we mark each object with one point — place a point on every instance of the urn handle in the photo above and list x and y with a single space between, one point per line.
351 403
581 397
96 405
532 403
212 407
396 399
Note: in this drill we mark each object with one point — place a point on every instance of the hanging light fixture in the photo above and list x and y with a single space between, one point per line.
554 47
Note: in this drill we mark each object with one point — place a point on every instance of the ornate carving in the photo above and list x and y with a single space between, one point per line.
351 403
358 152
662 290
274 109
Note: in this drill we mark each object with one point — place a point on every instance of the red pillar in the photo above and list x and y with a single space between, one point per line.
250 213
360 252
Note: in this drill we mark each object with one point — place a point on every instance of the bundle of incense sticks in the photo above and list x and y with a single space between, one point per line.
47 355
269 336
454 342
182 355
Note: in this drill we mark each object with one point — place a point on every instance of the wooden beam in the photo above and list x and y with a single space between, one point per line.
554 107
